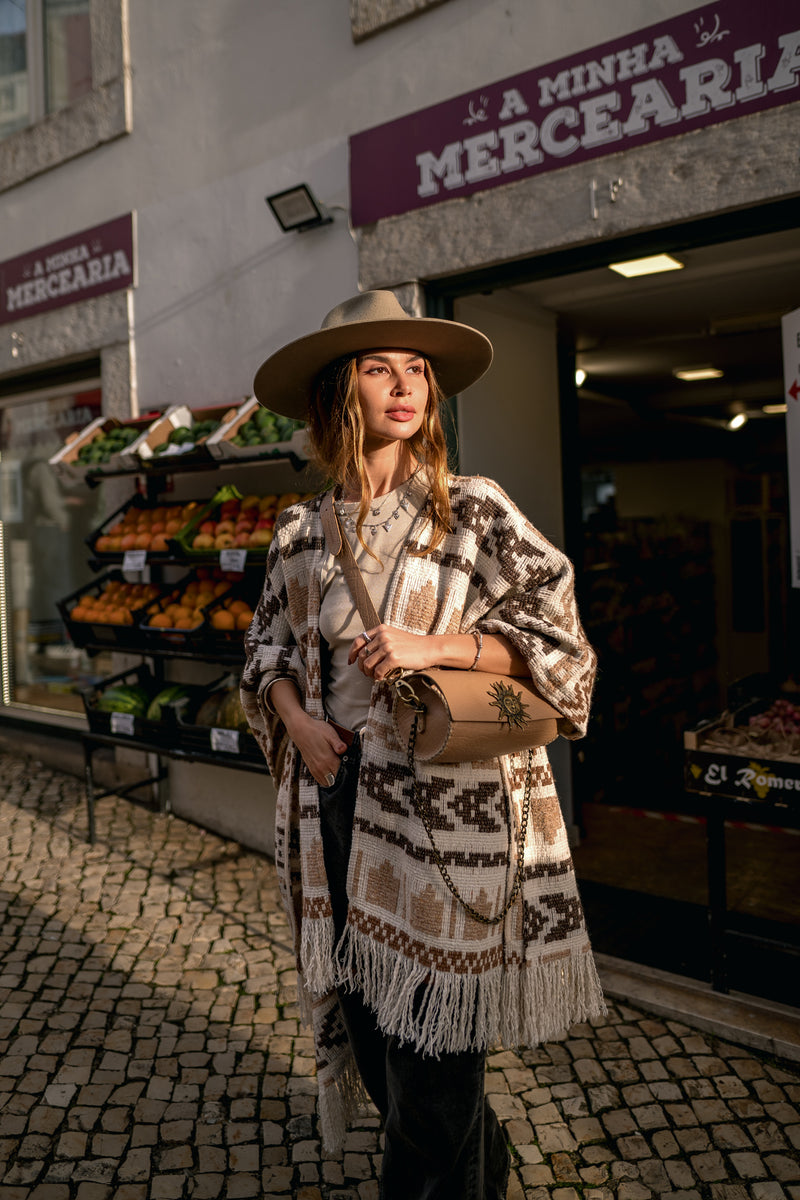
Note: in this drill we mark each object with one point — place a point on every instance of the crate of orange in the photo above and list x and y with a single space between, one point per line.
227 618
107 611
138 525
179 618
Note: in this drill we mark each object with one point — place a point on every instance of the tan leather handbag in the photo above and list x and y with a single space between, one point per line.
468 716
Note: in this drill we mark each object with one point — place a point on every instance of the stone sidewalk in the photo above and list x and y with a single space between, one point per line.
150 1047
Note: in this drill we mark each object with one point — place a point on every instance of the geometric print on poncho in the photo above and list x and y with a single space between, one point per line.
433 975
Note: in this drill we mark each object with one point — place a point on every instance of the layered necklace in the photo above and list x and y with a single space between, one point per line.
376 510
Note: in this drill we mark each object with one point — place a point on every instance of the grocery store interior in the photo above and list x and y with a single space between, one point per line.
681 545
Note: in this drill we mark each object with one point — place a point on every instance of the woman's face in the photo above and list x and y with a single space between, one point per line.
393 393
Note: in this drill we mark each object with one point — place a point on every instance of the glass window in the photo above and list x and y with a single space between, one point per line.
43 554
67 52
14 103
45 59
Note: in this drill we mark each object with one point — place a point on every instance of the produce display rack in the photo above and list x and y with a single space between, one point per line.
92 742
156 469
193 745
726 786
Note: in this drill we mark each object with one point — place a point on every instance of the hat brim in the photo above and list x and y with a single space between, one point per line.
459 355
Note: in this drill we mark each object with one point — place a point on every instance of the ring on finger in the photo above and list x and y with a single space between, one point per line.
330 779
366 637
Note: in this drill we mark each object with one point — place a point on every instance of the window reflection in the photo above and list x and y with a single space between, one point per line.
14 99
44 523
67 51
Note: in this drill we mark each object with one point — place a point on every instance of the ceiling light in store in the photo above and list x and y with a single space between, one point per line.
580 377
646 266
772 410
738 421
693 374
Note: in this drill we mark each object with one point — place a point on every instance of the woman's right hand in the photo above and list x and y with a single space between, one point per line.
320 746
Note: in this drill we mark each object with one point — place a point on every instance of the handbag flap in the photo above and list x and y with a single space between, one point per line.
515 702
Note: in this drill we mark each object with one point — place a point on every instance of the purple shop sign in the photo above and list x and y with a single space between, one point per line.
712 64
75 268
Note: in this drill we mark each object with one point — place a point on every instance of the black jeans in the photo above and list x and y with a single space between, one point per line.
442 1138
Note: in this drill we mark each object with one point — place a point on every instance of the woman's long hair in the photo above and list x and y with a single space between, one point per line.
336 436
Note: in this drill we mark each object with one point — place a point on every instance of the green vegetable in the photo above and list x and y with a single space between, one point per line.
202 429
175 691
265 428
102 447
123 699
181 435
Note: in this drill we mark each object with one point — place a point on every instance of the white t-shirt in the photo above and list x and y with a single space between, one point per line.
348 690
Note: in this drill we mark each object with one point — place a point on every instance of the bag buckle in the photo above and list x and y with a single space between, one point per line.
406 693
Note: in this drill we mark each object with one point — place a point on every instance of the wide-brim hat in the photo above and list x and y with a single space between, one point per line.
458 353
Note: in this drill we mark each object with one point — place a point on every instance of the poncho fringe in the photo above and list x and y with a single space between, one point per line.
440 1013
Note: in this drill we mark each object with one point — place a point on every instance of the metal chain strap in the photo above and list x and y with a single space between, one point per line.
424 813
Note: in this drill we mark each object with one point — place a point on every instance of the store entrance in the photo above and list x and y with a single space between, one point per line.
674 439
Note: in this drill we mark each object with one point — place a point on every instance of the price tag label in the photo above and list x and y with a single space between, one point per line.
232 560
122 723
225 740
134 560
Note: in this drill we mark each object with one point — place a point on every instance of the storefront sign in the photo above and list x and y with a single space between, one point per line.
83 265
712 64
791 374
742 778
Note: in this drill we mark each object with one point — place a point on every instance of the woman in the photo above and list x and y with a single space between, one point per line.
397 978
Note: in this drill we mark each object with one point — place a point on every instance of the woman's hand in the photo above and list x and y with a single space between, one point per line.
320 747
318 742
388 649
379 651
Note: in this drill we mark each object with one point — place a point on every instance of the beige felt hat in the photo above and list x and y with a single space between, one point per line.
458 353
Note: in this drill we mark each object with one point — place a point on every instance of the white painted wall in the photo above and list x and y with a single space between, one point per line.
508 422
234 99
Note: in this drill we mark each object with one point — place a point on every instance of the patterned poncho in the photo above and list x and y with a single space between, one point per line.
519 982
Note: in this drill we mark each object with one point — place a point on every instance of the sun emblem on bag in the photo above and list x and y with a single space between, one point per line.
510 704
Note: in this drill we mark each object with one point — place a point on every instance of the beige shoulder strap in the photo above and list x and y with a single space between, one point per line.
339 546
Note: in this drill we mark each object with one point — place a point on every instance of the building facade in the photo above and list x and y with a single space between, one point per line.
488 161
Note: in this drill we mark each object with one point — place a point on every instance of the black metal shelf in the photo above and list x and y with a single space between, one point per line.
92 742
232 659
717 809
159 470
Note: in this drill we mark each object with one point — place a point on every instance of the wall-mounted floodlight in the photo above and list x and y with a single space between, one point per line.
297 210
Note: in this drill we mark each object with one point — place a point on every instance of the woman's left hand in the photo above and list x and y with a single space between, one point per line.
387 649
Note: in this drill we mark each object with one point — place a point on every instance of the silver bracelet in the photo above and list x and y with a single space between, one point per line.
476 633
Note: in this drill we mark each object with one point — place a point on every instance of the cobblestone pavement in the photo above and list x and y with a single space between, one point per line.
150 1047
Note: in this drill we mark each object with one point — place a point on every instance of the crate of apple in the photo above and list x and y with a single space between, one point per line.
241 524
